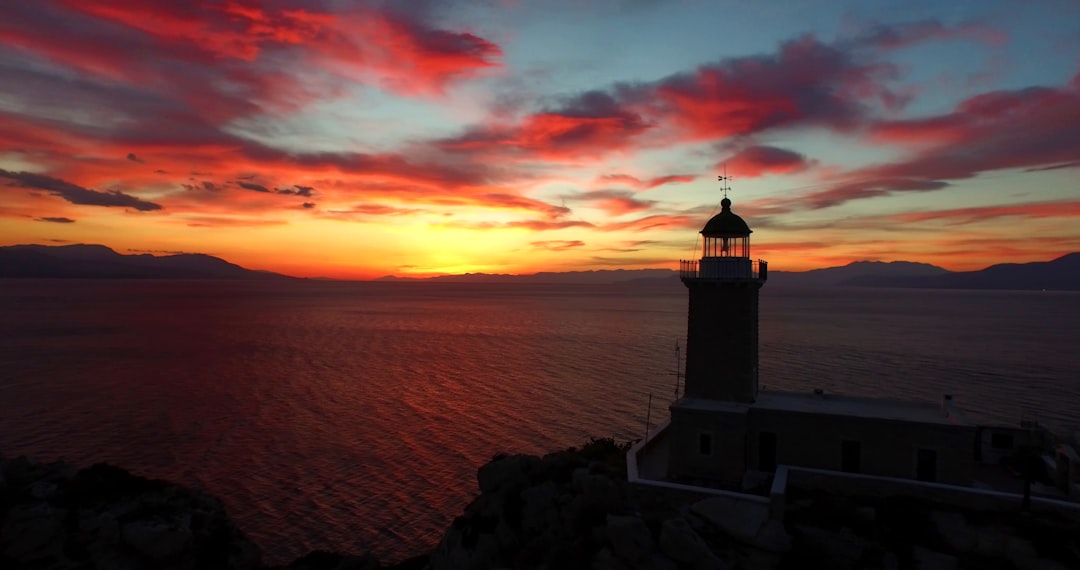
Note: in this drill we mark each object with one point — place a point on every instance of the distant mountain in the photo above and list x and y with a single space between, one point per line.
855 274
597 277
1061 274
98 261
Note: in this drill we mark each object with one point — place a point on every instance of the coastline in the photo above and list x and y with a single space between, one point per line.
568 509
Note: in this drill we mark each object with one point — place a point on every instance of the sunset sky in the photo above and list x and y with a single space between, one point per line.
359 139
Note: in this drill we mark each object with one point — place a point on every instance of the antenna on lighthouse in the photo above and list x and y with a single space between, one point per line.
724 179
678 367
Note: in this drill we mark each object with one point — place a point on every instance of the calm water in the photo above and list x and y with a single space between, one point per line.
352 416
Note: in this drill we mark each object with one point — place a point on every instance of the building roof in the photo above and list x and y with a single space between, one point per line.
726 223
863 407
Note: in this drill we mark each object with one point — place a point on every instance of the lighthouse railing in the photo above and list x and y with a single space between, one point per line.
723 268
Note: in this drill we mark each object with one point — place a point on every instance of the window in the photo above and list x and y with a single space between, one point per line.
767 451
704 443
926 465
1001 440
851 456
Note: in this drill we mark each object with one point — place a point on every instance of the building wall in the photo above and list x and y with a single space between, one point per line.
887 447
722 340
727 433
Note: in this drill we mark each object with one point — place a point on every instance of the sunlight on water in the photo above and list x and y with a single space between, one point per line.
352 416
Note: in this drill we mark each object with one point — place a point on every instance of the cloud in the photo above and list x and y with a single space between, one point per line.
755 161
1027 128
650 183
557 245
614 202
195 221
253 186
131 156
305 191
57 220
308 205
77 194
588 125
367 211
1030 210
654 222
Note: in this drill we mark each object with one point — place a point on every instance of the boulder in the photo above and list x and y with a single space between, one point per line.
321 560
740 519
32 531
629 538
954 529
773 537
605 559
839 551
539 511
681 543
505 470
926 559
156 540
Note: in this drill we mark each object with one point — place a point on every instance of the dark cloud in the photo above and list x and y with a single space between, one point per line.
309 205
557 245
131 156
77 194
614 202
56 220
754 161
297 190
253 186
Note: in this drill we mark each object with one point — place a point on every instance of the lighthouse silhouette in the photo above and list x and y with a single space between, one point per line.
722 327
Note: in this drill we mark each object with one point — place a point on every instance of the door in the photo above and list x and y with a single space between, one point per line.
766 451
926 465
851 456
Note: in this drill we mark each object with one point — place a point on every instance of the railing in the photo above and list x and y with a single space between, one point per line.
724 268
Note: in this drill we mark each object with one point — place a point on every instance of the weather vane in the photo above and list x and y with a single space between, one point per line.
724 179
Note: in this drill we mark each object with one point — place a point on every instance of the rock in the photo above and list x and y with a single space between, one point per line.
1021 553
954 529
42 490
739 519
577 478
866 514
629 538
773 537
156 540
990 542
539 511
605 559
657 562
500 472
681 543
840 552
926 559
320 560
32 531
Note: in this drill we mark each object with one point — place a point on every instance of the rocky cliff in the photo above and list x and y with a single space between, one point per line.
570 509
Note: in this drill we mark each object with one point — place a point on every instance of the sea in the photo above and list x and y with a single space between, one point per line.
352 416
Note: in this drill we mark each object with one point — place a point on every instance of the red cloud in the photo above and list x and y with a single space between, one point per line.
614 202
755 161
648 184
1032 128
1036 210
590 125
557 245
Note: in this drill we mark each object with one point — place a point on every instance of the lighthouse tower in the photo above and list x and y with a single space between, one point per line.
722 328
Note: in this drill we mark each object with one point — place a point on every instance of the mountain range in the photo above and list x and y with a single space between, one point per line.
98 261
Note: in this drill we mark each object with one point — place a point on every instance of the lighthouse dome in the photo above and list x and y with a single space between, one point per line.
726 223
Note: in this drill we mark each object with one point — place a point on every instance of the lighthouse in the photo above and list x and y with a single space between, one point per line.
722 321
724 433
